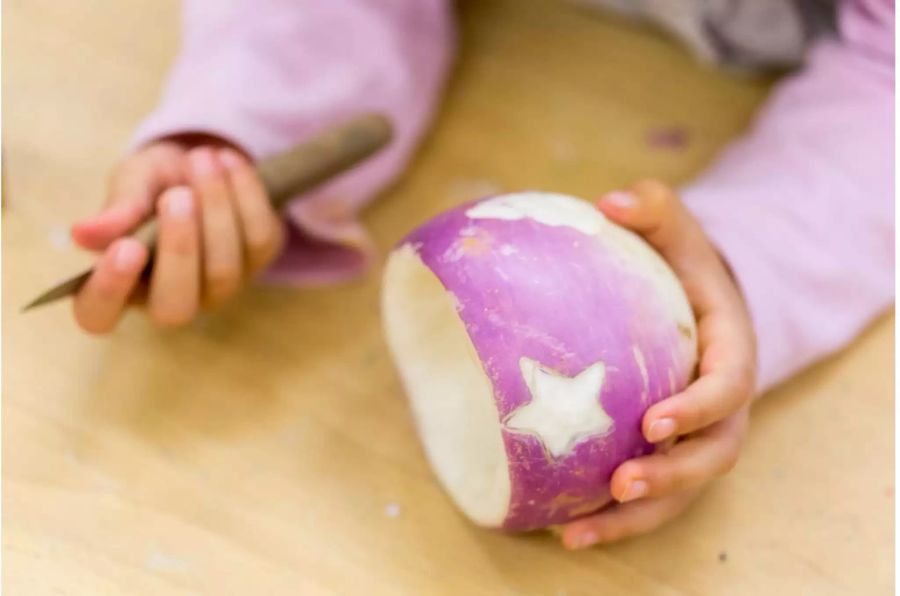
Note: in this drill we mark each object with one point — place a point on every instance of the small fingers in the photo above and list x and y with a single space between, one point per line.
727 377
261 228
222 259
726 341
133 188
98 231
101 301
623 521
175 283
703 403
687 465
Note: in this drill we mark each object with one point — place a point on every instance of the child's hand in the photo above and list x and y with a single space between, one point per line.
709 418
216 230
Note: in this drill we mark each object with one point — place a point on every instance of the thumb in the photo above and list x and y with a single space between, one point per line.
98 231
132 191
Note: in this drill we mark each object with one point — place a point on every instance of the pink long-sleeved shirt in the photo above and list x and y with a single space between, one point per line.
801 207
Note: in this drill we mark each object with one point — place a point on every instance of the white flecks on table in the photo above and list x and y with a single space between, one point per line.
165 563
60 238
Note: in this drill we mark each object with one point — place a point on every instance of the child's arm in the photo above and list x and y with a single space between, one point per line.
267 73
802 211
256 76
803 207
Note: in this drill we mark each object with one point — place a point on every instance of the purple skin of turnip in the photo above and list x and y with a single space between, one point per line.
531 335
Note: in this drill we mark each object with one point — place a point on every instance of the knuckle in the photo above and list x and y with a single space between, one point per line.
159 158
237 163
162 150
169 169
204 163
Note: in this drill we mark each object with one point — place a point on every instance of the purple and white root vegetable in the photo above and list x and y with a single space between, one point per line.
531 335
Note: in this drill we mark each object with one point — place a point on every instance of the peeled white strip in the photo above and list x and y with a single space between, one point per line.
452 398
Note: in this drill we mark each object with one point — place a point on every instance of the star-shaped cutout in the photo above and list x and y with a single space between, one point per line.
563 410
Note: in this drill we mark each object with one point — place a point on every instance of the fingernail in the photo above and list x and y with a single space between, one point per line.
179 202
127 258
619 198
661 430
203 161
635 490
230 158
588 538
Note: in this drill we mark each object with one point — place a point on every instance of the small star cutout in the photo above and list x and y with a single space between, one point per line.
563 410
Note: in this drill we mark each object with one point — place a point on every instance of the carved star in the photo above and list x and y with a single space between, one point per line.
563 410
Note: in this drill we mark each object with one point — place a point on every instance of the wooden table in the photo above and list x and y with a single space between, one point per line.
268 448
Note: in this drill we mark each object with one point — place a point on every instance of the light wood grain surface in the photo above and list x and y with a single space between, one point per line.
268 448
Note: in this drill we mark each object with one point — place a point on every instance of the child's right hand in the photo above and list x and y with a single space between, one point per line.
216 230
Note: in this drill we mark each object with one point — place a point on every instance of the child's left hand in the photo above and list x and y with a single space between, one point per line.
709 418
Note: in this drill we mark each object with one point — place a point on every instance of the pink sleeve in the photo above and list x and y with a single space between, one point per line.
267 73
803 207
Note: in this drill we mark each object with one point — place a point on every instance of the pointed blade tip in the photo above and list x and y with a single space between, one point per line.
41 300
60 290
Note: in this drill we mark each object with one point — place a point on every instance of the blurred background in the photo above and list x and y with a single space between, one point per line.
268 448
